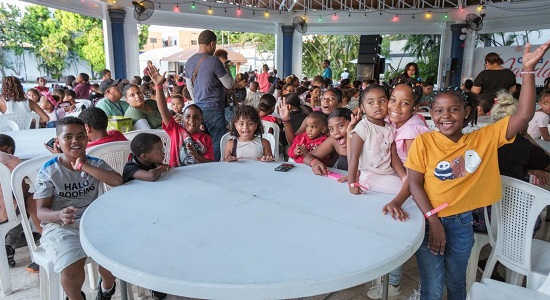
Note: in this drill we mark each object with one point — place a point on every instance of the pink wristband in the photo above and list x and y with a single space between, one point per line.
79 166
435 210
159 87
357 184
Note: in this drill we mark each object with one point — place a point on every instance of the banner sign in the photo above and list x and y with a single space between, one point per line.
512 57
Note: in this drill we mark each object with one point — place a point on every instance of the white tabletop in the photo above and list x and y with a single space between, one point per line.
544 144
30 143
242 230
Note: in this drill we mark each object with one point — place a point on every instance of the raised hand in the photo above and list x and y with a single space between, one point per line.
530 59
354 120
155 75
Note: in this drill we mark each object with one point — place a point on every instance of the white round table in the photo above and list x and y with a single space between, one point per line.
242 230
30 143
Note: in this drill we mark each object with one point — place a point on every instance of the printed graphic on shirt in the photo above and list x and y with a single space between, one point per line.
40 185
458 167
185 157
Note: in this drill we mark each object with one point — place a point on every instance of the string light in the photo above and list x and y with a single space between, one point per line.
159 4
395 18
380 12
479 7
209 10
225 10
365 14
254 12
413 16
320 19
446 15
176 8
349 14
193 5
266 13
428 15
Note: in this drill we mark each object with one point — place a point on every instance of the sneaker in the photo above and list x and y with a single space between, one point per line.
10 253
105 296
415 295
158 295
375 292
33 268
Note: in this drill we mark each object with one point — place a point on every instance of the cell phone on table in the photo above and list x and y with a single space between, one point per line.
284 167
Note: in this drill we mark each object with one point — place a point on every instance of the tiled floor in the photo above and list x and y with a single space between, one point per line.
25 285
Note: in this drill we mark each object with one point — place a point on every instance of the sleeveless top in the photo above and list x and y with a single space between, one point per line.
342 163
13 107
248 150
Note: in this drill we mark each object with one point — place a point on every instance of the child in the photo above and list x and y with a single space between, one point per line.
34 95
456 173
266 107
146 164
69 103
188 145
41 87
247 127
306 142
146 159
538 126
83 87
401 107
176 103
334 148
372 148
50 107
7 148
66 186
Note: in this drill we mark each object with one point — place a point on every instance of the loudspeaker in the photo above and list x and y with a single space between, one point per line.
365 58
371 39
367 71
382 66
369 49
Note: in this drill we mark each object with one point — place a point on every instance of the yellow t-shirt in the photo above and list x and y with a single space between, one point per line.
465 174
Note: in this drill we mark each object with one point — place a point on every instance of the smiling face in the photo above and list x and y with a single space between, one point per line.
135 97
337 128
314 128
401 105
245 128
448 113
33 96
192 119
72 140
329 102
156 155
544 103
375 106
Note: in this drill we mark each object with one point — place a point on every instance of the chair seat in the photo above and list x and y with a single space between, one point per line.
540 262
492 289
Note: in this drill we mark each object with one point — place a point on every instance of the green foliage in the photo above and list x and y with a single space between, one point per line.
11 38
264 43
143 35
339 49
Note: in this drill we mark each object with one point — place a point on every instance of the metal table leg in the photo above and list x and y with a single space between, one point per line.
385 282
123 290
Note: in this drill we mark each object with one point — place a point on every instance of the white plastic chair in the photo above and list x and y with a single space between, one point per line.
13 220
480 240
8 125
50 285
492 289
114 153
431 125
228 136
23 120
516 214
85 102
163 136
276 132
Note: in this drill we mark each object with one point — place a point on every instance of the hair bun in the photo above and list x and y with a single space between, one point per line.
504 98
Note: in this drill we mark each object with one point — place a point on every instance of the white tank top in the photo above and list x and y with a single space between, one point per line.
13 107
251 149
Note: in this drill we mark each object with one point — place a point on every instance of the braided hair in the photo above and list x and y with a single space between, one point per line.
414 84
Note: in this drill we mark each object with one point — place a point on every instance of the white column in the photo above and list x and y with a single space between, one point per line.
131 44
278 61
469 46
444 53
297 54
108 40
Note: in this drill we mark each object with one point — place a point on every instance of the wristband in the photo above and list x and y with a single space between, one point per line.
527 72
79 166
435 210
286 121
159 87
357 184
311 161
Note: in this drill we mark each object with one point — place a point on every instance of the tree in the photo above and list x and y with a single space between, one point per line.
339 49
143 35
425 47
11 38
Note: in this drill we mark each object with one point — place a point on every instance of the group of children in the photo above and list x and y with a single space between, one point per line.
389 150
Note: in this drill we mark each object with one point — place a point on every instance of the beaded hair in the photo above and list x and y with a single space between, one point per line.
370 88
414 84
469 100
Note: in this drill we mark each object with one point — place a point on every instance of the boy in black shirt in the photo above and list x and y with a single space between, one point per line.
146 159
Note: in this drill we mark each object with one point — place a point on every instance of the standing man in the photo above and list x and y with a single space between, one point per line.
207 78
344 75
327 72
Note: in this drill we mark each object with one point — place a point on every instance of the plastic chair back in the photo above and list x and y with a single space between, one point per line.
276 132
431 125
12 221
273 142
8 125
163 136
516 214
23 120
85 103
114 153
50 287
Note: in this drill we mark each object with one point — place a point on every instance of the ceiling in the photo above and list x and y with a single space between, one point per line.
341 17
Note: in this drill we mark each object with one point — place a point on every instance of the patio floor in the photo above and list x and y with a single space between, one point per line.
25 284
